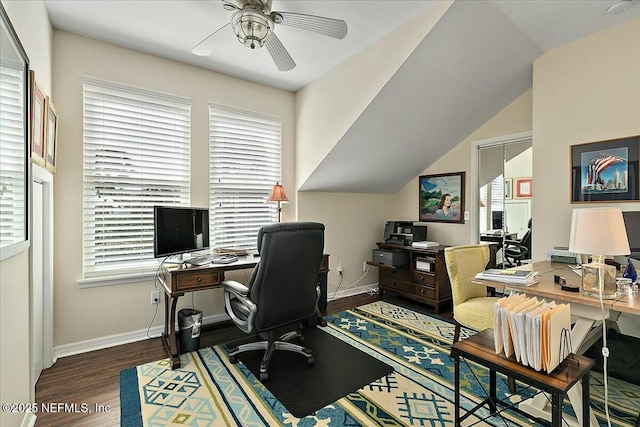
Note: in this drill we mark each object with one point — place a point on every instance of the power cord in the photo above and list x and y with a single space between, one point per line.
605 352
352 284
156 287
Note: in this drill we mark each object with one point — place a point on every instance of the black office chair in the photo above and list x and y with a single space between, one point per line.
517 251
283 290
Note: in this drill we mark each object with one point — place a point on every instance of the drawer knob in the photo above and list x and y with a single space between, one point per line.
421 277
422 291
199 279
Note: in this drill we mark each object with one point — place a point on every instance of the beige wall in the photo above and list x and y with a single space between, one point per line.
585 91
326 108
89 313
513 119
353 225
32 25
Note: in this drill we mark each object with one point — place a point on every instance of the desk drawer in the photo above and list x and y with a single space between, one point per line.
395 280
188 281
423 291
424 278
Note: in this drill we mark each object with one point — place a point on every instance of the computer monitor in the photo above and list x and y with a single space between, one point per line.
632 224
496 220
178 230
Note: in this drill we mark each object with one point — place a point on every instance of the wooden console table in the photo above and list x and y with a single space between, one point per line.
178 280
480 349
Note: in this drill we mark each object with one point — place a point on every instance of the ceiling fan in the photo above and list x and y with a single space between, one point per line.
254 22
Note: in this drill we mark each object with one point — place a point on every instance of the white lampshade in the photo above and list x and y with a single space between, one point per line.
598 231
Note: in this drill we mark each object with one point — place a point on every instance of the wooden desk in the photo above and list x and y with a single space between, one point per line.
480 349
589 316
177 280
497 238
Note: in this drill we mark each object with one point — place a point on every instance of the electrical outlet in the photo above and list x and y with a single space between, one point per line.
155 297
339 269
364 266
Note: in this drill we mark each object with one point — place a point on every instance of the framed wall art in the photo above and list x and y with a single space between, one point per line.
441 197
38 122
52 137
508 189
524 188
605 171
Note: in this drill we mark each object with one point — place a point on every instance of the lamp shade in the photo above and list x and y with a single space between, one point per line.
598 231
278 195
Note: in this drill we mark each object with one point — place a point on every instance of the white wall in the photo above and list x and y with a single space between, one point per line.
585 91
31 23
90 313
513 119
326 108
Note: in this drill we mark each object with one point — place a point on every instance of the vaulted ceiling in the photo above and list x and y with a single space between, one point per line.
474 62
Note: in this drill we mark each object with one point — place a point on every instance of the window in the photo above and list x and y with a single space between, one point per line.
494 191
136 155
12 154
244 165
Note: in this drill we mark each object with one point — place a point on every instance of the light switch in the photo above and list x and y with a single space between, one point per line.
466 215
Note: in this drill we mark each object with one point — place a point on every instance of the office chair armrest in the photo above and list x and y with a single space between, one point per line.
236 288
238 292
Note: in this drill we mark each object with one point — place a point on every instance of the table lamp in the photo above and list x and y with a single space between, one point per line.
597 231
277 195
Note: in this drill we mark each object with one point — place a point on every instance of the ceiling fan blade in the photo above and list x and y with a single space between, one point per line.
208 45
280 56
335 28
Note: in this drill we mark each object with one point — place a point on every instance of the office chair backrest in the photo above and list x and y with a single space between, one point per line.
526 239
283 286
463 263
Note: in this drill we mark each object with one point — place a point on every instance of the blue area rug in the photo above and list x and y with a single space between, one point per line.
209 391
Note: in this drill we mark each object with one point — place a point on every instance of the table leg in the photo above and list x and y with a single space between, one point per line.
586 410
492 391
556 409
456 403
169 338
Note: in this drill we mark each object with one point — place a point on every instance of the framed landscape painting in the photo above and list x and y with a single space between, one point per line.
605 171
441 197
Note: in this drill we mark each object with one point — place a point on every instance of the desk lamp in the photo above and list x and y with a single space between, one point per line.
598 231
277 195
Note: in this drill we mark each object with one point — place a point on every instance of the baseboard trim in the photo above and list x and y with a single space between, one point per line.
29 420
367 289
119 339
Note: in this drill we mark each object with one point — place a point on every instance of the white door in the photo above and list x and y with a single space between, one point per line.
37 306
518 213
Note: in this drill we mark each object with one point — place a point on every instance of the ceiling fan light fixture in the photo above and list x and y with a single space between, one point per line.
618 7
251 28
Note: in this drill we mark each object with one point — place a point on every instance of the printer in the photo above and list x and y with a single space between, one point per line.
404 233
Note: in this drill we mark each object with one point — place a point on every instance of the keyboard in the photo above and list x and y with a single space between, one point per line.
212 259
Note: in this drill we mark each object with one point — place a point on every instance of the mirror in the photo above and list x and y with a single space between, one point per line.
14 153
505 195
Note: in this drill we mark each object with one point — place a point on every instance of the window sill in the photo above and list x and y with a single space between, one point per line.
95 282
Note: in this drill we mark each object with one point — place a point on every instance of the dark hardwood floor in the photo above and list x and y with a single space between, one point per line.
94 378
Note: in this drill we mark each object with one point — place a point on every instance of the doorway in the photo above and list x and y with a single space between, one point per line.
41 305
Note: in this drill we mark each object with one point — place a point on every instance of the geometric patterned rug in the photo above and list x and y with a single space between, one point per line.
209 391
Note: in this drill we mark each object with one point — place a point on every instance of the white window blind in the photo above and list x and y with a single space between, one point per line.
12 156
244 165
136 155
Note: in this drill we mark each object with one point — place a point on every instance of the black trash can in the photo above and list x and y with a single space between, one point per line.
189 323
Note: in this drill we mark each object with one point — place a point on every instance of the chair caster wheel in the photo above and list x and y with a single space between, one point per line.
310 361
233 360
264 376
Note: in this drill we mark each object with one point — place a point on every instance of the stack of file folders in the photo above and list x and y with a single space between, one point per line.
535 332
516 277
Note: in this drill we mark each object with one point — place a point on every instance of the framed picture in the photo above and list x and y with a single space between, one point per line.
52 137
441 197
508 188
524 188
38 122
605 171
